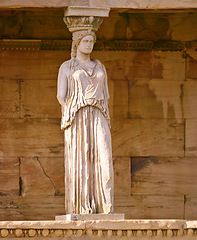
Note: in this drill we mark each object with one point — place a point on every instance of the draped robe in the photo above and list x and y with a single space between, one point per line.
88 153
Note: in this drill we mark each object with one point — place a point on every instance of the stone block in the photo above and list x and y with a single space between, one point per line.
147 137
118 102
18 70
122 176
42 224
156 98
168 65
127 65
10 24
31 137
9 177
112 59
42 65
191 137
183 23
157 176
189 99
9 101
191 208
118 112
134 224
44 25
191 65
42 176
13 208
137 67
38 99
90 217
190 224
132 65
84 11
150 207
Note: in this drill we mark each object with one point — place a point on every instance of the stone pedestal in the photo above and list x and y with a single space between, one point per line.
90 217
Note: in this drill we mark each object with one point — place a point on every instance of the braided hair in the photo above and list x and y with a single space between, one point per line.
76 39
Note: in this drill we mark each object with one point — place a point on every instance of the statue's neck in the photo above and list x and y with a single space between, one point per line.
85 58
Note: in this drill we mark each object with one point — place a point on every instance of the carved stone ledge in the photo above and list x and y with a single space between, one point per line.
121 45
142 229
126 46
54 233
170 45
20 45
62 45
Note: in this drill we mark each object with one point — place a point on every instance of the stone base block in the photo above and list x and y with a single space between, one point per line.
91 217
142 229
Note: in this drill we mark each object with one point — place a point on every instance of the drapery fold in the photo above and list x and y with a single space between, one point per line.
88 163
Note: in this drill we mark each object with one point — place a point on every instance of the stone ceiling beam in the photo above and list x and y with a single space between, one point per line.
133 4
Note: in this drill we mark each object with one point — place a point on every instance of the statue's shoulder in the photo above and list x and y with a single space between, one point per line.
67 64
100 64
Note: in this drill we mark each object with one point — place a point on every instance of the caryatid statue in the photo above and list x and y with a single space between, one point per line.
83 95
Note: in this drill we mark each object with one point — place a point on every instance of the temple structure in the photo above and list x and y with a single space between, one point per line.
149 51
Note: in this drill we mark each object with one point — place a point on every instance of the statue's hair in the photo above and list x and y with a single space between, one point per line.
76 39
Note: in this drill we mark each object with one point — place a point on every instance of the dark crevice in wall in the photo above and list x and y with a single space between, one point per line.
184 203
131 174
181 98
128 109
53 184
20 178
184 146
185 55
19 81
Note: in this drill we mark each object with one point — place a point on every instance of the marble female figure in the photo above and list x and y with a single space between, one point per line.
83 95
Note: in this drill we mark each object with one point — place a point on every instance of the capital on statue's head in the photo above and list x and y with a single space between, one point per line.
83 18
83 23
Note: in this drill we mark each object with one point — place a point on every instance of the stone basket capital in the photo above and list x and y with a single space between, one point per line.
84 18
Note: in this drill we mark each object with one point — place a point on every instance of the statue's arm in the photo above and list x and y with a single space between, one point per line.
106 84
62 84
106 91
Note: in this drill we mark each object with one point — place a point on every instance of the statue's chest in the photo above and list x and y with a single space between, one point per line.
91 80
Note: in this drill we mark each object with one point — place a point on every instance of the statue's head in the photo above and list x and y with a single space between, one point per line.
83 41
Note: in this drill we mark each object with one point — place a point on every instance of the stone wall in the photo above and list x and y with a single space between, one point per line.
152 84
